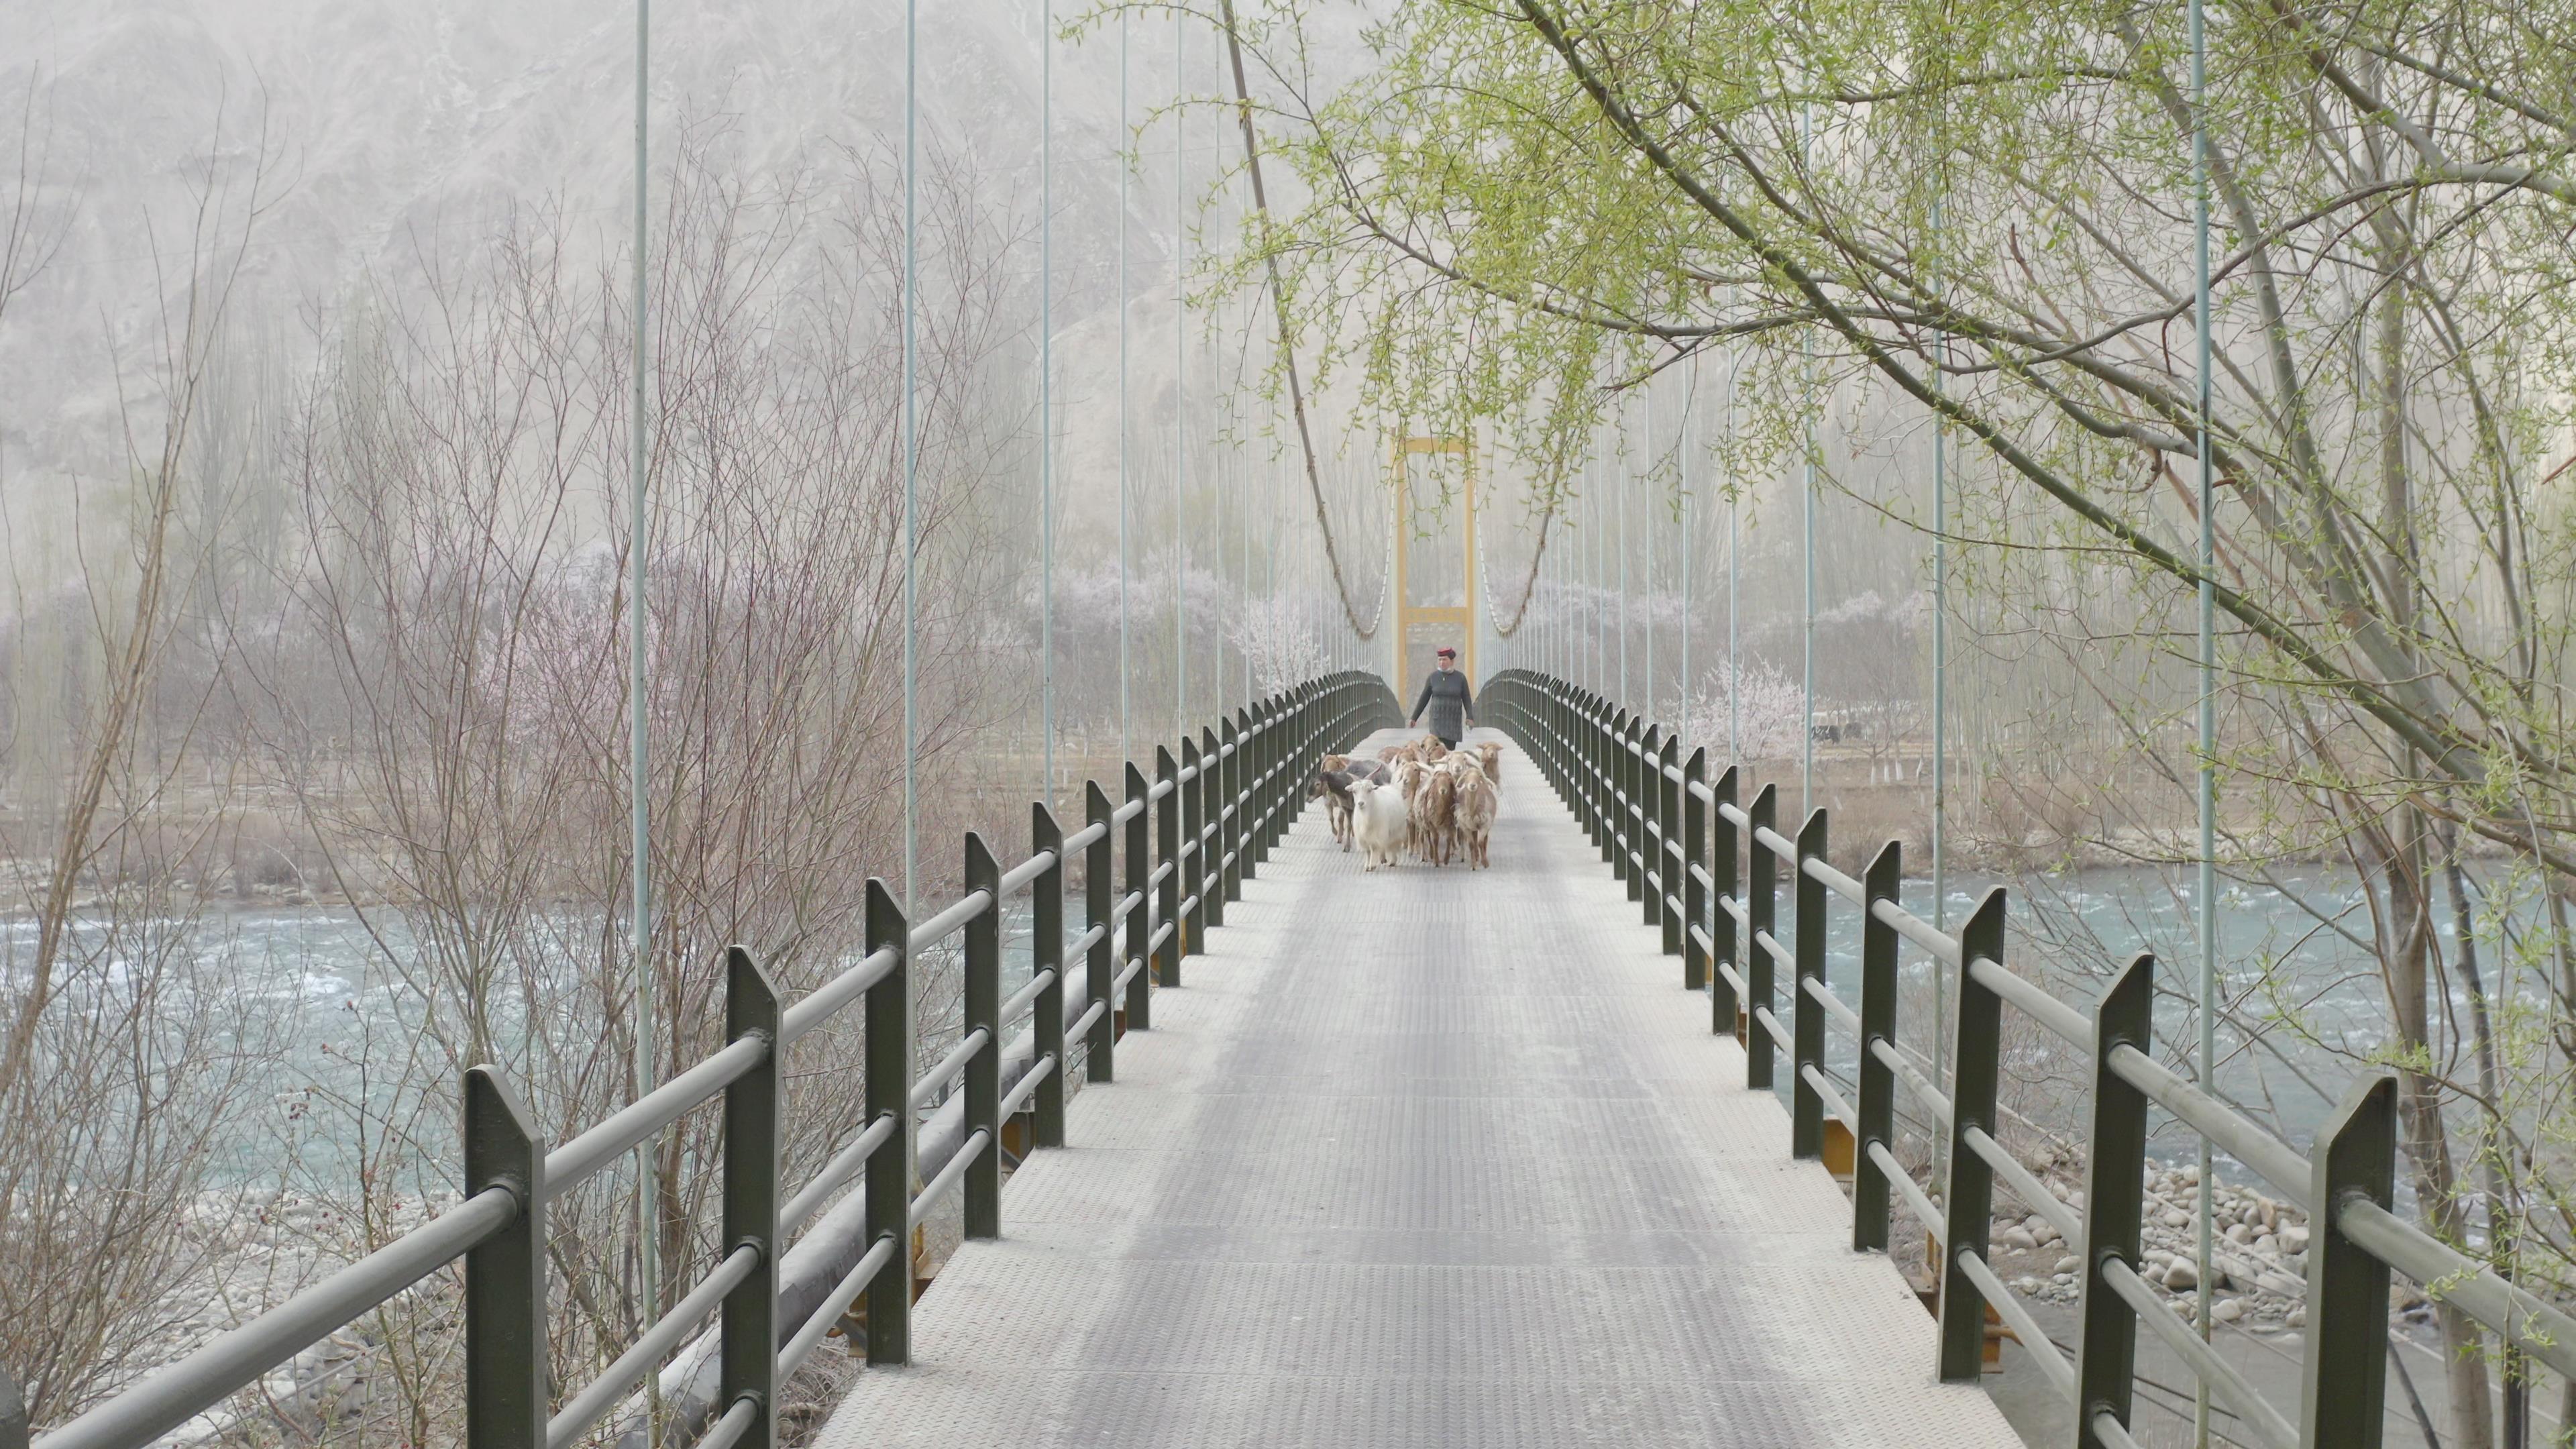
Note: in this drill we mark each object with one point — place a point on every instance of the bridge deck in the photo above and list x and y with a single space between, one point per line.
1423 1158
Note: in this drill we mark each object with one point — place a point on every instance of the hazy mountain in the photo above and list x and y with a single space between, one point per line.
367 139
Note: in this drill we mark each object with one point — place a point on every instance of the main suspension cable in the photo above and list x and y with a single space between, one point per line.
1287 352
1529 581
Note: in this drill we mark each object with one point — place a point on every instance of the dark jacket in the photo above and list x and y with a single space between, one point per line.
1451 703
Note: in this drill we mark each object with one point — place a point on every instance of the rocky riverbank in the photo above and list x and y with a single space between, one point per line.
2258 1264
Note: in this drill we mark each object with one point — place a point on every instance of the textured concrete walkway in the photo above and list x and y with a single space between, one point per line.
1423 1158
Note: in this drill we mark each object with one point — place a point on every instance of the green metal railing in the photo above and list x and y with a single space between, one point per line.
1706 869
1217 811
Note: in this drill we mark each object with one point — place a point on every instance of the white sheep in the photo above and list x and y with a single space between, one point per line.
1381 821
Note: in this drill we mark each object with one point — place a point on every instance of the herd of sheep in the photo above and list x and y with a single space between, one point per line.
1421 798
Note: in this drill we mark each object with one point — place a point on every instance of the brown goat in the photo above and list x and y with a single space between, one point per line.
1334 788
1435 816
1476 802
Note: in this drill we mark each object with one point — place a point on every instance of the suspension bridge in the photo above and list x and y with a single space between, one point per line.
1308 1155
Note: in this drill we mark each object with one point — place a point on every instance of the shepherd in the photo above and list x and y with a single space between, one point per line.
1451 703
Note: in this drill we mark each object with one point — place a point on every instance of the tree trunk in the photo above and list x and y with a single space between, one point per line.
2405 954
2515 1430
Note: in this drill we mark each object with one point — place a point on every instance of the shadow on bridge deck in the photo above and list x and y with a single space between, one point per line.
1423 1158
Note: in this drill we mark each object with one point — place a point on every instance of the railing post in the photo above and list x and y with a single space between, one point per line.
1633 744
1614 729
1582 761
1694 863
1225 811
1807 1020
1254 786
1648 885
1252 743
1207 869
888 1085
505 1277
1581 751
1582 754
2347 1362
1762 911
1614 815
1876 1110
1046 953
2115 1182
1646 790
1613 808
1251 832
1139 858
1167 859
1287 752
1967 1208
1194 848
1099 964
1288 746
1571 744
983 1072
1549 712
1641 806
1222 878
1532 705
1668 854
1723 1007
1279 740
1569 782
747 1366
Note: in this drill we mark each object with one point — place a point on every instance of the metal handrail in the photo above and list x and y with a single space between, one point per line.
1835 1007
2548 1334
825 1319
2033 1001
939 1187
1943 946
950 921
1885 1052
1020 877
173 1395
2280 1164
650 1347
1834 1105
567 1166
1026 1087
2026 1185
828 999
2252 1409
927 1086
497 1213
1027 996
845 1165
1834 880
2043 1350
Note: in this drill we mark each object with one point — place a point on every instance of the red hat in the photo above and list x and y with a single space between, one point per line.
1448 653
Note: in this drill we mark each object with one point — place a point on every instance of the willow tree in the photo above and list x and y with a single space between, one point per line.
1985 206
